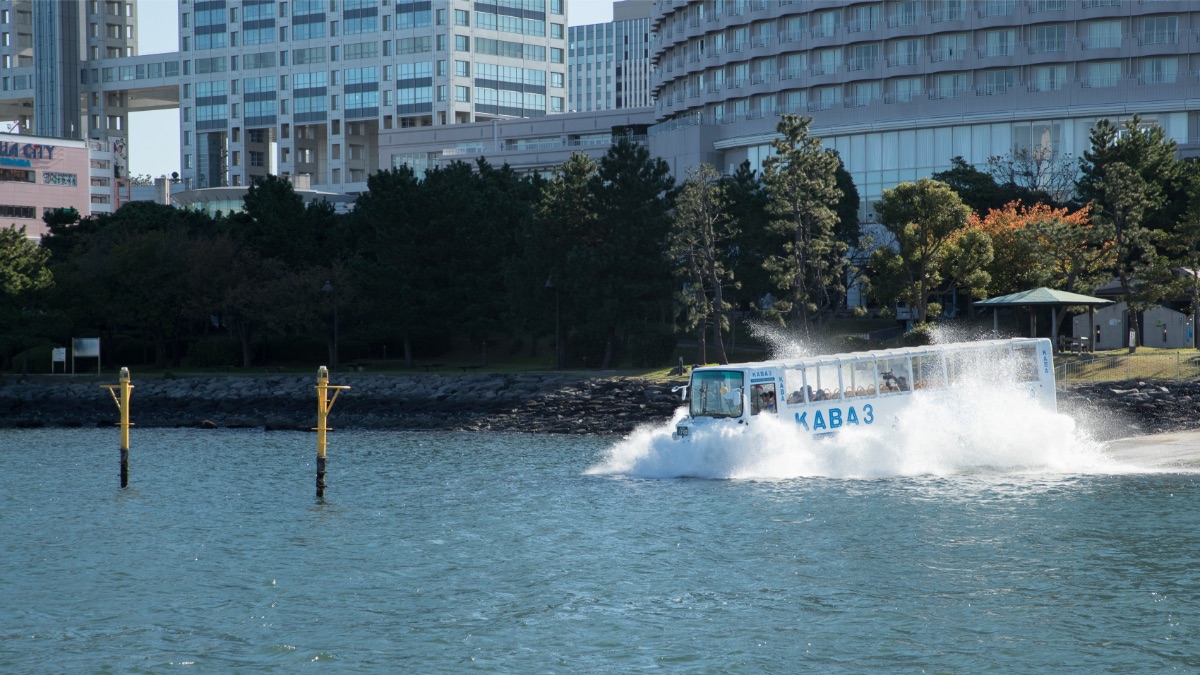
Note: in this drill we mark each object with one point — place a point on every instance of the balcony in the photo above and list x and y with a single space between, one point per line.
1102 42
945 54
905 59
993 8
904 19
938 93
1040 6
864 62
994 88
946 14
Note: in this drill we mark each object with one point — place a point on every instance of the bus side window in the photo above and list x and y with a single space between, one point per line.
793 383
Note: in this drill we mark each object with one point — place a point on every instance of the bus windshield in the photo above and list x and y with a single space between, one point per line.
716 393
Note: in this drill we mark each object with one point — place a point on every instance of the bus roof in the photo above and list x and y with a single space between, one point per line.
877 354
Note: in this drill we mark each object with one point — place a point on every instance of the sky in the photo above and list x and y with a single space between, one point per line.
154 135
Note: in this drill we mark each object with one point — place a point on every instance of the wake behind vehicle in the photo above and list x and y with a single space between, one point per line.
825 394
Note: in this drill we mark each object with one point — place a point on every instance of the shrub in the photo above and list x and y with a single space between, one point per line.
38 359
129 351
652 347
585 347
852 343
920 335
214 352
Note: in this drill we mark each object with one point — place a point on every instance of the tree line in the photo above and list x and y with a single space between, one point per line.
612 255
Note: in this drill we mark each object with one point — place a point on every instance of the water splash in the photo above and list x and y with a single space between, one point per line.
781 342
946 332
980 431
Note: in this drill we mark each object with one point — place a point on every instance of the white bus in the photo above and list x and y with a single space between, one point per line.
825 394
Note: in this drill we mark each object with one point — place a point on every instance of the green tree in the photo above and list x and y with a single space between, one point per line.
933 249
394 258
977 189
748 207
130 271
503 203
1131 180
23 274
628 278
1184 243
801 179
565 217
23 267
700 236
276 223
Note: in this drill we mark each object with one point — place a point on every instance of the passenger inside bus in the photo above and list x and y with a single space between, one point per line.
763 399
768 401
795 397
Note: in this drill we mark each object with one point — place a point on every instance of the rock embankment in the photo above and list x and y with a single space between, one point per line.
544 402
549 403
1133 407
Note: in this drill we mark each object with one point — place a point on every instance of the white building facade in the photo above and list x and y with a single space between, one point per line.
306 87
900 87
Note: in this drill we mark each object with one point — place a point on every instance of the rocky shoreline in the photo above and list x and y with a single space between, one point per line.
531 402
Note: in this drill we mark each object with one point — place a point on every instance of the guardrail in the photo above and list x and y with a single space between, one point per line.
1104 368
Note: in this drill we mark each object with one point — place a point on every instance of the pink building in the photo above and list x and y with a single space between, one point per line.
41 174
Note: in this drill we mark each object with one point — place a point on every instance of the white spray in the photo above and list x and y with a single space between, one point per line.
987 428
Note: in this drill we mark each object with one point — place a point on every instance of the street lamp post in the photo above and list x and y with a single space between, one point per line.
558 361
328 288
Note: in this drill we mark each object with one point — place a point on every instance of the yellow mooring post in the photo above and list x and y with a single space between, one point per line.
324 405
123 405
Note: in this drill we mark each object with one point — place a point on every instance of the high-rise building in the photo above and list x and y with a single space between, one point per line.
46 49
609 63
304 87
899 88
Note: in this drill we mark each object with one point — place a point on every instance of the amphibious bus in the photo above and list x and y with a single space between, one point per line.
826 394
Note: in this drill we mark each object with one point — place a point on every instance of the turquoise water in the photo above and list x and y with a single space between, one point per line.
452 552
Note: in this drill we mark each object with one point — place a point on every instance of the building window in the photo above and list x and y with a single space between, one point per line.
1103 35
1160 71
1103 74
949 85
257 158
908 52
1000 42
1049 39
1048 78
997 81
462 17
1160 30
949 47
10 210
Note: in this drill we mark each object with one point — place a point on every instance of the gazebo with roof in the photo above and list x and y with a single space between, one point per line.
1043 297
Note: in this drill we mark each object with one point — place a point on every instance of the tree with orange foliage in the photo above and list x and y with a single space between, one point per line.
1038 245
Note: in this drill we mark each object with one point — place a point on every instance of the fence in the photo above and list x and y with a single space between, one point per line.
1127 367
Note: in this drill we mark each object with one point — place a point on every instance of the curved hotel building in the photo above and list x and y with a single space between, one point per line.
899 87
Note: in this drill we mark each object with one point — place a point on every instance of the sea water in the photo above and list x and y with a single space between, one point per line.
951 540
